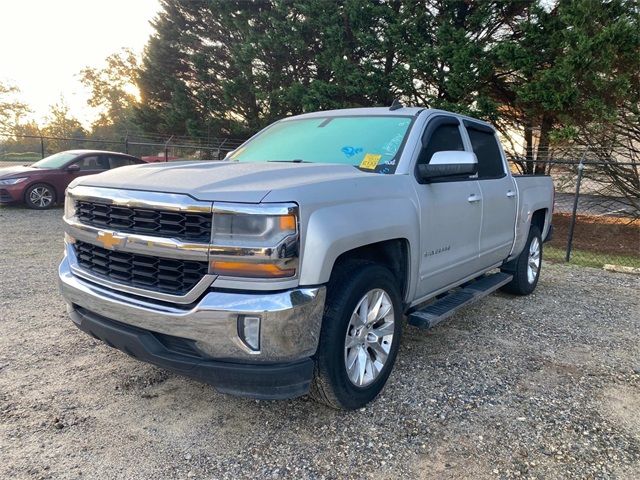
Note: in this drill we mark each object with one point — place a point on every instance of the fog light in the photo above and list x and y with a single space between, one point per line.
249 331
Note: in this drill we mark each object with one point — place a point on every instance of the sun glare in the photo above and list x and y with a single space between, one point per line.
45 45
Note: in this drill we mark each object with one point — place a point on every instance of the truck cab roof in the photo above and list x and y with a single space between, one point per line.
384 111
348 112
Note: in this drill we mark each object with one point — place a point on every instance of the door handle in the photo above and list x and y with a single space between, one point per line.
511 193
474 198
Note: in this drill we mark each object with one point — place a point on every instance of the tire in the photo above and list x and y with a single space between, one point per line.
525 278
40 196
332 383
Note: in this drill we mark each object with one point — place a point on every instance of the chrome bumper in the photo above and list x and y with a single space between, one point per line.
290 320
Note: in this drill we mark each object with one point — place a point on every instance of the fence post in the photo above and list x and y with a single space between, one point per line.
126 144
41 147
574 212
166 149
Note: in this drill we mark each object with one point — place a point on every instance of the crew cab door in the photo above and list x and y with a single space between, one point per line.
450 213
499 195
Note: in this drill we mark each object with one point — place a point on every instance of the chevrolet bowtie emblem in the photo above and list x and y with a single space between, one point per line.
109 240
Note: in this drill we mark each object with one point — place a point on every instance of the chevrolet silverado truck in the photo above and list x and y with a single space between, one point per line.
290 267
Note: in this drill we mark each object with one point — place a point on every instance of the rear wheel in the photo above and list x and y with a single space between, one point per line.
360 336
40 196
526 267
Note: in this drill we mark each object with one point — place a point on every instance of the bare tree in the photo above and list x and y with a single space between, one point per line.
616 148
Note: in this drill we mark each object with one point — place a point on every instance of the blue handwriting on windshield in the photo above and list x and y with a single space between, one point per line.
351 151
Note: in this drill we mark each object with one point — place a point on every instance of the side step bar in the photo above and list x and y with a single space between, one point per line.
441 309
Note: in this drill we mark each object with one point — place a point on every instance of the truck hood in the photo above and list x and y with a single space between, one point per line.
221 181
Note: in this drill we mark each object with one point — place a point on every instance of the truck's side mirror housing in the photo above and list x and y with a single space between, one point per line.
448 164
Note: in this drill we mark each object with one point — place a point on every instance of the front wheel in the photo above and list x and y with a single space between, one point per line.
526 267
360 336
40 196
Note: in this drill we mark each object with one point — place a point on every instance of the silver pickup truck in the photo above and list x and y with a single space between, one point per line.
289 267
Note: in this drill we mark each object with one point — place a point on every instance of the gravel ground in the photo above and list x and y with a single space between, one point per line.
546 386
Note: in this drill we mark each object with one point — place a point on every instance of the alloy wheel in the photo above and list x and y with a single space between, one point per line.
41 197
369 337
533 265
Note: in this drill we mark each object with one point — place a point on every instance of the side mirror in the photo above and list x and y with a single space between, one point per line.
448 164
74 167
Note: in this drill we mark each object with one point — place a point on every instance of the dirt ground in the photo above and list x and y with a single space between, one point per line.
545 386
598 234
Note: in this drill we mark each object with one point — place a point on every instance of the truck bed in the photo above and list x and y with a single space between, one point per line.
535 192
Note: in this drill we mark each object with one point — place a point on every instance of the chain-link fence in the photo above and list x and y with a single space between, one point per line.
149 147
596 219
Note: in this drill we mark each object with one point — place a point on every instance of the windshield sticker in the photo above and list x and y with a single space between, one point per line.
392 146
351 151
370 161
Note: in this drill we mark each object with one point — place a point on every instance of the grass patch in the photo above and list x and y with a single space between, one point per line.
585 258
21 156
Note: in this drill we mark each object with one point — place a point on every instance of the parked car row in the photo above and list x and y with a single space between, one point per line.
41 185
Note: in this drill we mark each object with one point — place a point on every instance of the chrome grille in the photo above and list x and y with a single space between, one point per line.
192 226
166 275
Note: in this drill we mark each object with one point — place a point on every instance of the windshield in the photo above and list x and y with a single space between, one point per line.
371 143
55 161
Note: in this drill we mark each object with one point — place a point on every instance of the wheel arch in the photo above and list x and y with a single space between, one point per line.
393 254
539 219
378 228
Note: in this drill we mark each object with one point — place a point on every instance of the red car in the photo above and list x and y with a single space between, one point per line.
42 184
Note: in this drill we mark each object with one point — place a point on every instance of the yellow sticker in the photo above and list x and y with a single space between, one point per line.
370 161
237 152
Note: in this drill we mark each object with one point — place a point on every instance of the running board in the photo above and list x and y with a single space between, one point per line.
441 309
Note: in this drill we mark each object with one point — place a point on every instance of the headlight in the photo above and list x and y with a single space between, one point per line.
12 181
251 230
69 206
255 241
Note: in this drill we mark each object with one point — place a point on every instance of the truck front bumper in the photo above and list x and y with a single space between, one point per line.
203 340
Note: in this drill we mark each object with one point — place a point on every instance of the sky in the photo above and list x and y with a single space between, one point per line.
45 43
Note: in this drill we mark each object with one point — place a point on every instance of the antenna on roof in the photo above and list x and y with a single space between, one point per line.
396 104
